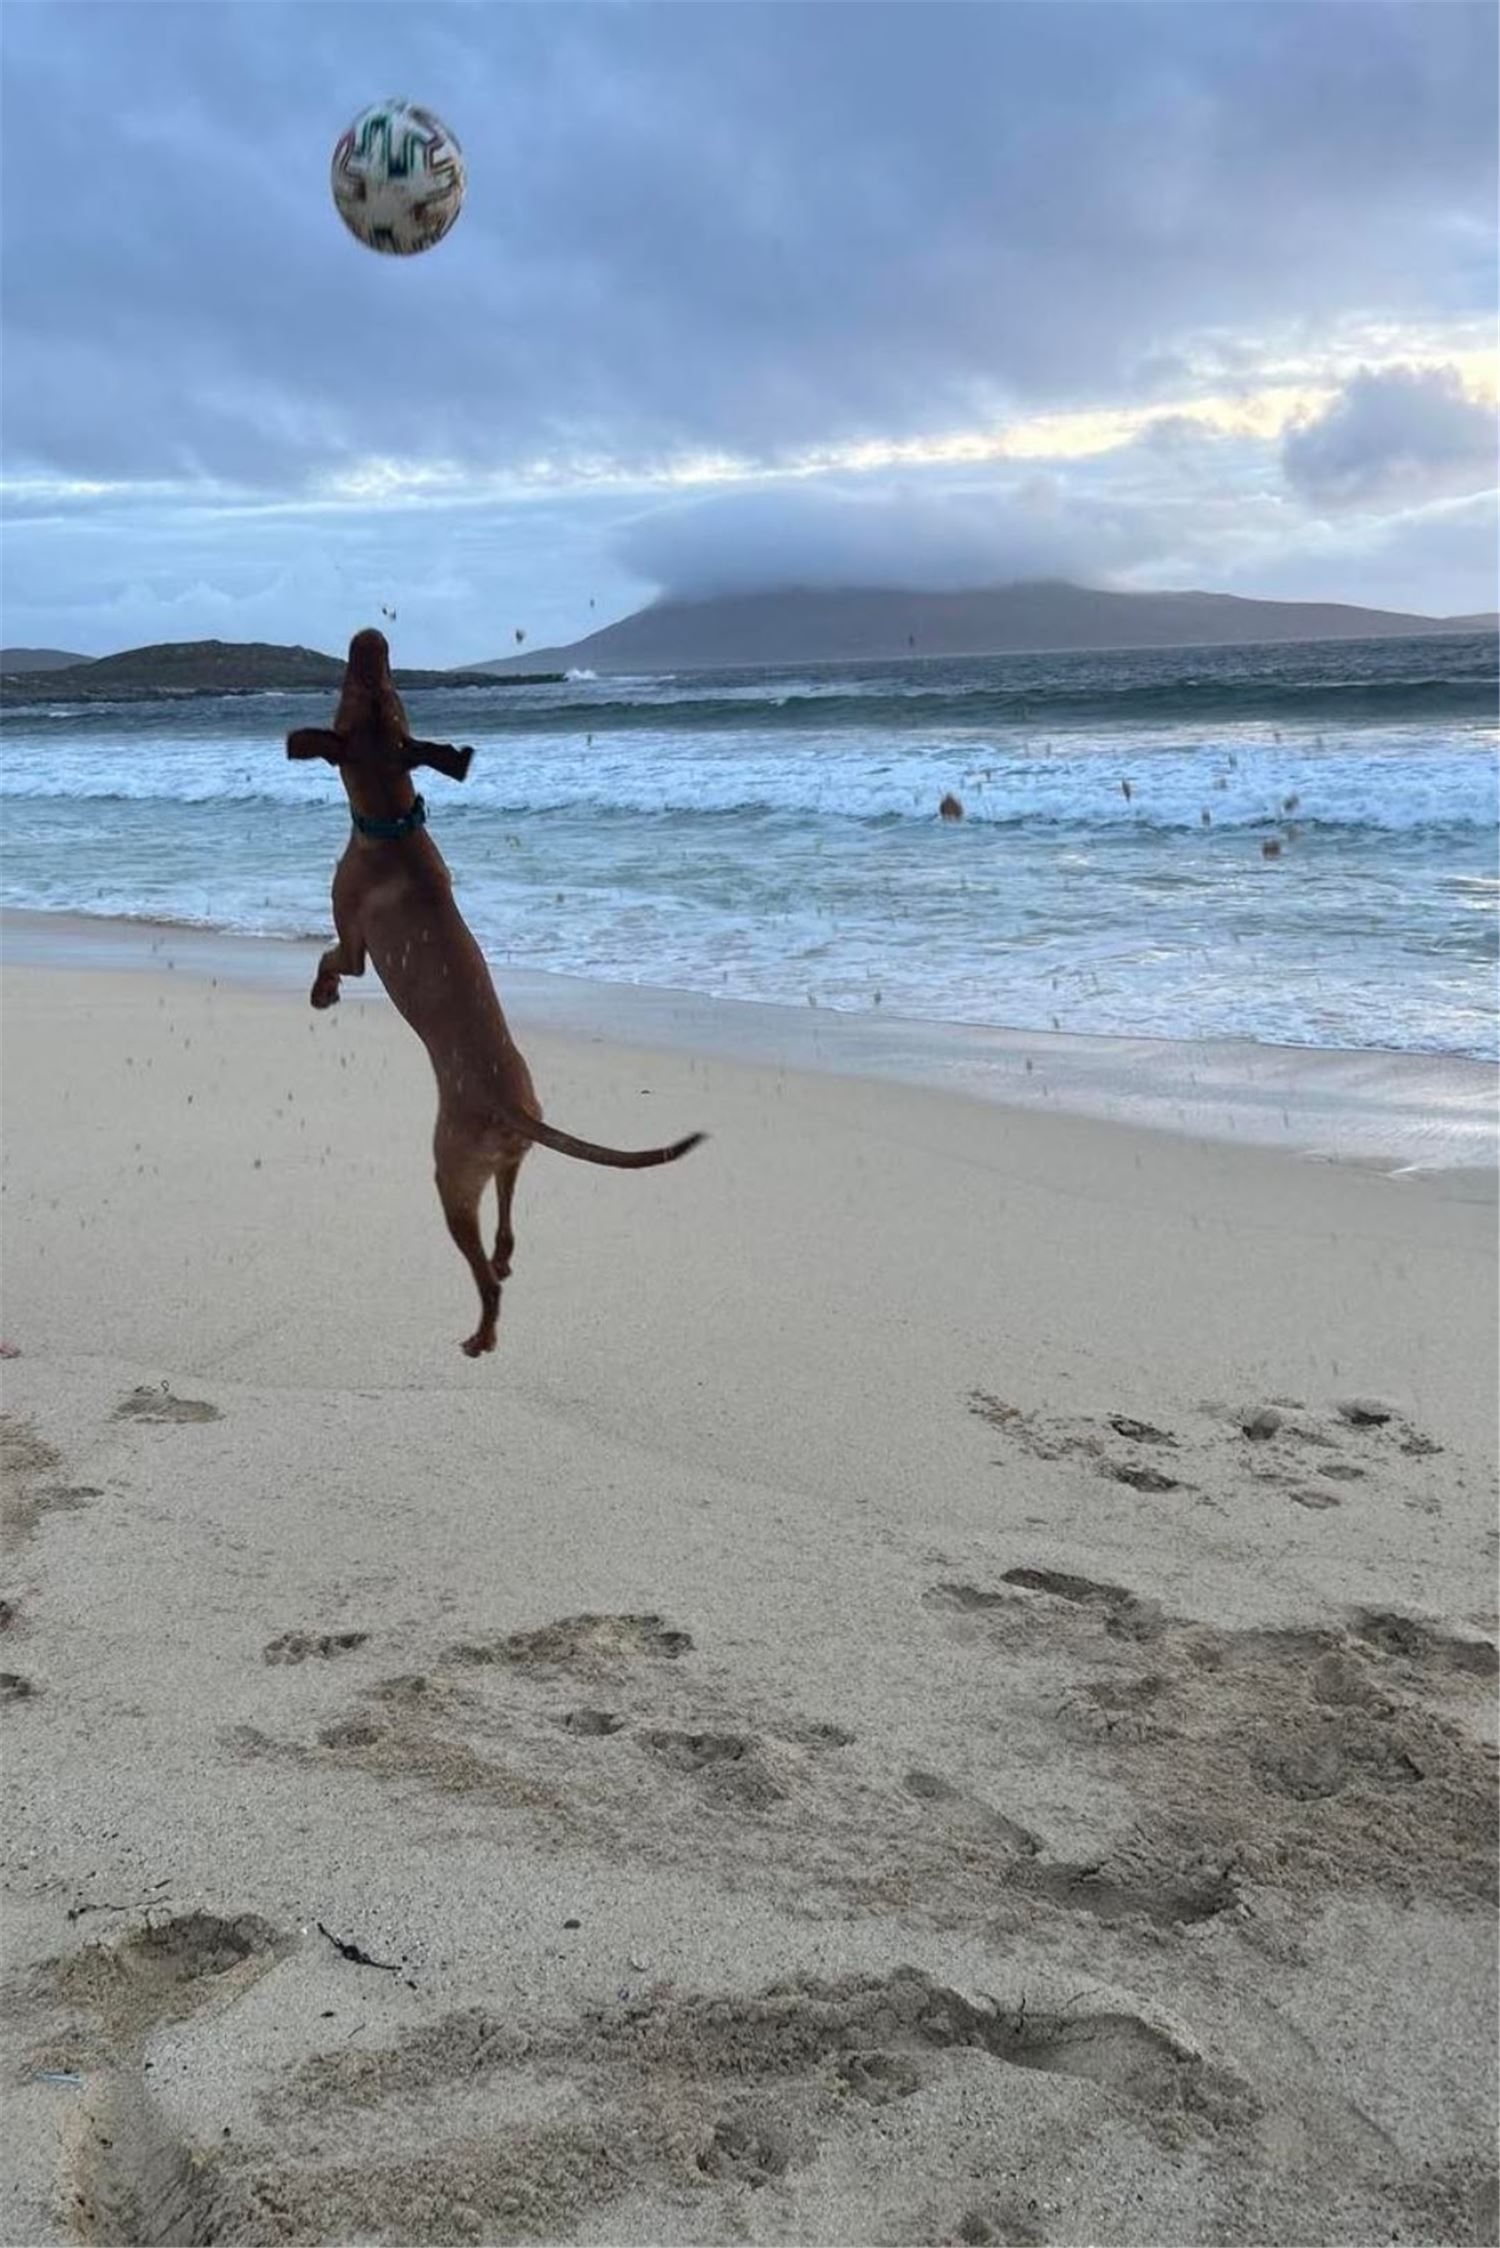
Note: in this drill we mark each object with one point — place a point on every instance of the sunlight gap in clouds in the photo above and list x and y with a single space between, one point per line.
1264 413
1287 390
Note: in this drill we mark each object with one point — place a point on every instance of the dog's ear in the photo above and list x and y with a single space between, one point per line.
453 763
316 741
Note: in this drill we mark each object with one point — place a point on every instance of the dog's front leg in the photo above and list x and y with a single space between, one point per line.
344 957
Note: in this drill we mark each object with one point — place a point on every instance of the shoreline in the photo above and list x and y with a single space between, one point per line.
1381 1108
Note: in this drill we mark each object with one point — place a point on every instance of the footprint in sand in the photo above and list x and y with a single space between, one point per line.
129 2175
877 2030
582 1640
1378 1431
591 1724
412 1727
1267 1441
1373 1412
816 1735
736 1766
784 2049
1140 1475
1314 1759
747 2150
1047 1439
159 1405
968 1811
708 2094
996 2225
1126 1615
25 1458
1173 1896
1424 1646
1131 1709
1141 1432
300 1646
879 2077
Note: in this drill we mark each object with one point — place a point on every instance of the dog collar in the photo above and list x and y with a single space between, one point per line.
391 831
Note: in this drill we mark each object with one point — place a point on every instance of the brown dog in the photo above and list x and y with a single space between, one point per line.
393 902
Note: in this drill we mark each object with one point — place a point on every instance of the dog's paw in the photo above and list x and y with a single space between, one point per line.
325 994
475 1345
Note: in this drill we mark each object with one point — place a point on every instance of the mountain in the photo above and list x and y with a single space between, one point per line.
807 626
39 659
212 667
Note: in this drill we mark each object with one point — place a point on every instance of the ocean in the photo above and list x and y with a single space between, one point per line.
1295 845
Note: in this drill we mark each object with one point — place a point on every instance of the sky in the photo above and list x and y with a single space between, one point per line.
742 296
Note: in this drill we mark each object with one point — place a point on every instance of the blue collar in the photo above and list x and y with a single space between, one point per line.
391 831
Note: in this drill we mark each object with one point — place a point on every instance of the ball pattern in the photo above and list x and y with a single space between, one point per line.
398 178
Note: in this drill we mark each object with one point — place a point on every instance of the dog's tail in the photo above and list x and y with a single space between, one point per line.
588 1151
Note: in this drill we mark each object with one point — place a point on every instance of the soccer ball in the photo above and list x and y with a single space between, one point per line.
398 178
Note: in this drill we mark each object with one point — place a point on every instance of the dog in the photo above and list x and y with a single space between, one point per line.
393 904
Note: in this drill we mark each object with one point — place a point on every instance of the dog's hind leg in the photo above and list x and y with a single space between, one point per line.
505 1239
461 1180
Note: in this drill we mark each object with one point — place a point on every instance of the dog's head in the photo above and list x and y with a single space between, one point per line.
370 727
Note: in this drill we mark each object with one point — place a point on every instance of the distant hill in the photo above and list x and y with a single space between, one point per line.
211 667
39 659
221 666
808 626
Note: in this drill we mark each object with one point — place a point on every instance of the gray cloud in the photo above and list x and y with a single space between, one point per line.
1197 511
124 573
1180 495
754 228
915 532
1440 559
1394 436
463 576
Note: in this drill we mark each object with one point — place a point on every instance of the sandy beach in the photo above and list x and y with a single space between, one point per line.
939 1687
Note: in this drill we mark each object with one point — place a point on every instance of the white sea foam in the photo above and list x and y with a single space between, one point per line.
776 858
1381 786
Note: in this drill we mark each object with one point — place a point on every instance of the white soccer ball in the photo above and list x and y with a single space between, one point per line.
398 178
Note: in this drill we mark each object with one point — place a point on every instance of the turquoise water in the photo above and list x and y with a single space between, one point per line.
775 835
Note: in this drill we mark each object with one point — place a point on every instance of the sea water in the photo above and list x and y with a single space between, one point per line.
1291 844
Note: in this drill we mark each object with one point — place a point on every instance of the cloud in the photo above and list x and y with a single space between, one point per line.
1173 494
903 533
1439 560
120 572
124 573
1391 438
1183 510
754 230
